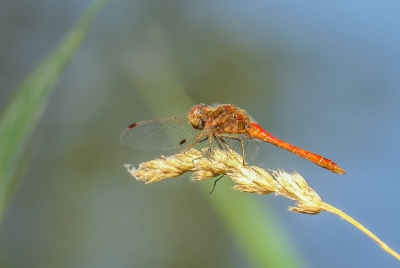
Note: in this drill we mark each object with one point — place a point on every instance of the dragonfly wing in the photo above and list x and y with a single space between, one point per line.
251 149
159 134
235 143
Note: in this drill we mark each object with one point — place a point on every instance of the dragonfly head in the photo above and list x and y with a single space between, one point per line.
196 116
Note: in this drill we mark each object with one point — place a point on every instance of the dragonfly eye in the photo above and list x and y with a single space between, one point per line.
195 117
197 122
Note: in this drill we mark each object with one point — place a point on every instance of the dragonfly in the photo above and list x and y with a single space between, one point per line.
223 126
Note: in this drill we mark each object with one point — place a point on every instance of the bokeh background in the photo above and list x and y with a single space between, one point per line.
321 75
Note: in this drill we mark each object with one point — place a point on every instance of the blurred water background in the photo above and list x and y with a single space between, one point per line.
321 75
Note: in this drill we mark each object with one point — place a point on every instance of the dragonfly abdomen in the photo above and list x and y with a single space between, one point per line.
257 132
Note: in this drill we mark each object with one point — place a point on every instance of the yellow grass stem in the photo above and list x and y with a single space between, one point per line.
358 225
249 179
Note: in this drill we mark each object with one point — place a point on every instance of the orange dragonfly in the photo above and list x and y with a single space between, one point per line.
221 126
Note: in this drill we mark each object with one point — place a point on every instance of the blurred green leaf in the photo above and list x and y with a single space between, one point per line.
255 228
27 105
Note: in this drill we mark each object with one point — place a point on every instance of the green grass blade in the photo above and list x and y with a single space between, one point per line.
25 108
255 228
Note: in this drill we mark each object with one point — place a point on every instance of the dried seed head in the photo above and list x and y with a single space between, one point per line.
249 179
295 187
165 167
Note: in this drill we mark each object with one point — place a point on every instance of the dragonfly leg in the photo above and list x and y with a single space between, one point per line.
242 144
224 142
215 183
210 137
200 138
217 141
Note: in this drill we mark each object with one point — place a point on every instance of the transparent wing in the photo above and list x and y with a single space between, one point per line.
159 134
176 132
234 143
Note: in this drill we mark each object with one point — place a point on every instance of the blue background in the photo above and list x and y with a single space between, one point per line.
321 75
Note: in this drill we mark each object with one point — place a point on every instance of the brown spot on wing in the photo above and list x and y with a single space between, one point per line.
182 141
131 126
